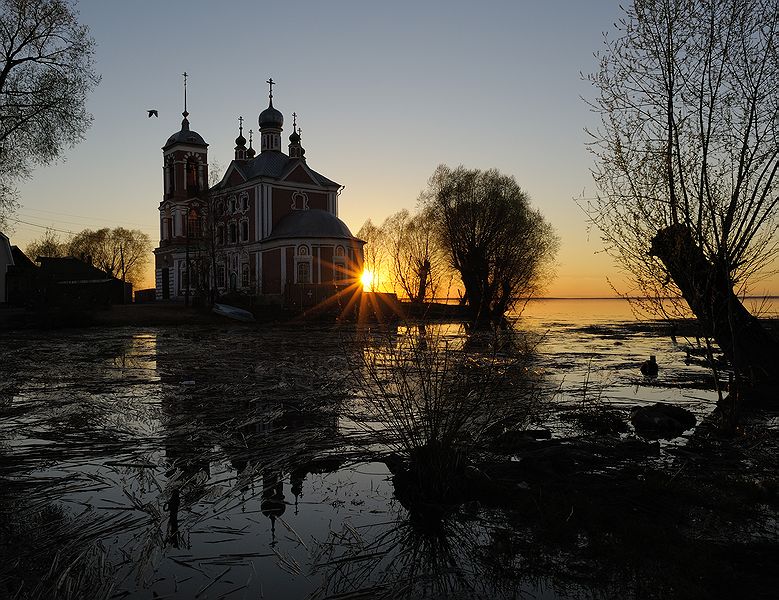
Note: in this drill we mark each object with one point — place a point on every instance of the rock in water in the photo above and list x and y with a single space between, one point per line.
664 421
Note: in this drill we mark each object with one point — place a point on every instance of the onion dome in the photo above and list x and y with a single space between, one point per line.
271 117
185 136
250 152
294 138
240 140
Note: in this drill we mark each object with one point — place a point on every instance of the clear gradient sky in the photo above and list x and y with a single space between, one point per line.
385 91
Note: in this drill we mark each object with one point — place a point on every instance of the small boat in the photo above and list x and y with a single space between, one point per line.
233 312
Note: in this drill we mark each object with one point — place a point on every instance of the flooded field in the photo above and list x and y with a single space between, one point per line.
258 462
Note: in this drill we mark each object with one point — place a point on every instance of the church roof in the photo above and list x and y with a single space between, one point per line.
185 136
275 165
314 223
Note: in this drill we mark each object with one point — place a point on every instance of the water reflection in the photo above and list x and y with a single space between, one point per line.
216 461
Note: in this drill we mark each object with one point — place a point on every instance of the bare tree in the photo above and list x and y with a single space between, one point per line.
501 247
417 263
374 251
48 244
686 159
120 252
46 72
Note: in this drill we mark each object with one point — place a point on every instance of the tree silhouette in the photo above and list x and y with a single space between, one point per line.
46 72
687 155
501 248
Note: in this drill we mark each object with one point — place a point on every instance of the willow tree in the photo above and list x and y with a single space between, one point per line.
120 252
687 154
501 248
417 263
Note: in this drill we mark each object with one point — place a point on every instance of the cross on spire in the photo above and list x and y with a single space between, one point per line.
184 75
271 83
240 125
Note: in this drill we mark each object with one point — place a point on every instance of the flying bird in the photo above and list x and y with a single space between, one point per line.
153 113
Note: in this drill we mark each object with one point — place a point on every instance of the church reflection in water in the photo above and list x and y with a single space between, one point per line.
251 438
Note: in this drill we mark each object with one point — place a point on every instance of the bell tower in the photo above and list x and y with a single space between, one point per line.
185 184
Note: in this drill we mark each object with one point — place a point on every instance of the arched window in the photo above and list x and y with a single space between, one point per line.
220 235
304 272
244 231
193 224
167 227
339 250
245 275
231 231
192 167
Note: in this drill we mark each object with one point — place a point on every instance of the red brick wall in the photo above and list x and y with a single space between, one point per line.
326 257
271 271
290 264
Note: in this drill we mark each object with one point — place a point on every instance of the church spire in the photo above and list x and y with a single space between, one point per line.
185 114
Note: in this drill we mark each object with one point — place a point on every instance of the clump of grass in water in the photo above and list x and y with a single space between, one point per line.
593 413
435 399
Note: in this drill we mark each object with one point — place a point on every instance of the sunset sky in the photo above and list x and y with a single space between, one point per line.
385 91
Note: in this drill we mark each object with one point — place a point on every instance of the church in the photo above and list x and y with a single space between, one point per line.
270 227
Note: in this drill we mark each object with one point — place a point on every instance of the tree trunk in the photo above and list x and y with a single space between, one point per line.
424 271
707 290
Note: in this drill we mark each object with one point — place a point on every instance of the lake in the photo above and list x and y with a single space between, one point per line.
245 462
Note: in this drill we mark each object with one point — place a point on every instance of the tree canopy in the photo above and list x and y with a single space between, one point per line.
122 253
501 248
46 72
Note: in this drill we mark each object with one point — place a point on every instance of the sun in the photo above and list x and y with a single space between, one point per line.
367 278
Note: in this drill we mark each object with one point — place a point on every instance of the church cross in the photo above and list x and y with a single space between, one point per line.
270 82
184 75
240 124
294 120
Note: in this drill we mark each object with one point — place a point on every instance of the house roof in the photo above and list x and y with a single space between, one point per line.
312 223
21 260
71 268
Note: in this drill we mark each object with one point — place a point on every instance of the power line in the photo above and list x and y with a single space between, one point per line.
50 227
88 225
53 212
41 226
